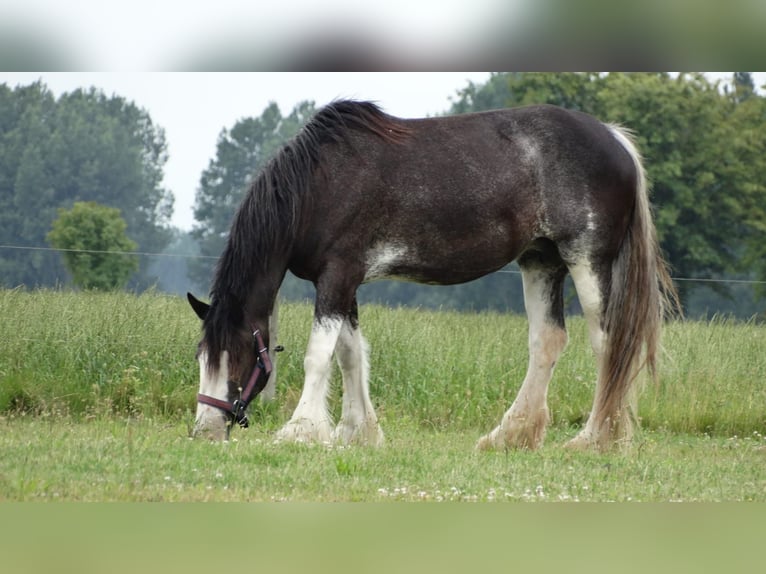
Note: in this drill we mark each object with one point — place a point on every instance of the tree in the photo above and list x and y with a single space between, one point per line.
704 150
91 235
108 150
83 146
704 153
26 185
240 153
744 86
495 93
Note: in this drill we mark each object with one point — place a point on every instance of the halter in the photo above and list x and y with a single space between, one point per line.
255 385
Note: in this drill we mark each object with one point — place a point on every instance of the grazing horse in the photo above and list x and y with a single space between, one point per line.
359 195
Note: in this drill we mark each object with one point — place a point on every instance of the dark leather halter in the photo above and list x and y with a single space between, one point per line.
255 384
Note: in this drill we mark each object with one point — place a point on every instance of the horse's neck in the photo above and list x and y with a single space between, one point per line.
262 298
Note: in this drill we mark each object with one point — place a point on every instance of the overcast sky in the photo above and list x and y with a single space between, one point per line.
193 108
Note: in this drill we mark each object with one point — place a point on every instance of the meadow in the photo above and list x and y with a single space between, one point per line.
97 396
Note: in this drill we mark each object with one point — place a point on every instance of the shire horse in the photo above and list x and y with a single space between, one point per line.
359 195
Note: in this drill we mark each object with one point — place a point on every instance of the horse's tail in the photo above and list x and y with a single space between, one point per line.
641 293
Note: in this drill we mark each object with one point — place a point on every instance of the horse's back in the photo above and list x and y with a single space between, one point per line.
461 196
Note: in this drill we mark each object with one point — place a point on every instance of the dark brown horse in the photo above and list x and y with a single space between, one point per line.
359 195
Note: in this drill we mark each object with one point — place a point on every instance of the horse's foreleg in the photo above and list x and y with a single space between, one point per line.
311 420
358 422
524 424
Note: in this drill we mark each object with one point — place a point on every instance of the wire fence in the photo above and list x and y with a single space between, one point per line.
213 257
102 252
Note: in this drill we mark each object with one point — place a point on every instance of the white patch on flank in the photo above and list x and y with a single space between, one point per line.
311 421
530 152
591 217
382 258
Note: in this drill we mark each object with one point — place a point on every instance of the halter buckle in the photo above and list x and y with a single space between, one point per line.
238 410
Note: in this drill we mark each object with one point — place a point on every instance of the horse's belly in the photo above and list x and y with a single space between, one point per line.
398 261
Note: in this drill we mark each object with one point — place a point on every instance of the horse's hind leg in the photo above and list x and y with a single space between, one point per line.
524 424
601 428
358 422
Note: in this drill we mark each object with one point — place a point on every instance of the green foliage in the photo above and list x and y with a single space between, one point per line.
83 146
705 152
744 86
705 156
494 94
241 152
87 233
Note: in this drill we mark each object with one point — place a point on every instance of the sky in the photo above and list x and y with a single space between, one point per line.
193 108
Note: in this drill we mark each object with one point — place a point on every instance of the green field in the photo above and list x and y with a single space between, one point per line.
97 397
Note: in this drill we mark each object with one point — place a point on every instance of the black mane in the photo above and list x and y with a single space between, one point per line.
267 219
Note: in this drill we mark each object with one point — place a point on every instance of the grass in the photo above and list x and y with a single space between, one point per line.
97 396
127 460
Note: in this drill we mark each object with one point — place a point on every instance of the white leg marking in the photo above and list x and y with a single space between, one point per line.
358 423
311 421
211 422
524 424
589 294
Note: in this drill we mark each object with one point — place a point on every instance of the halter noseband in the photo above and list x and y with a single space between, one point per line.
255 385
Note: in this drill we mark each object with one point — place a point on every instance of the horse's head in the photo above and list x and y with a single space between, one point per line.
234 367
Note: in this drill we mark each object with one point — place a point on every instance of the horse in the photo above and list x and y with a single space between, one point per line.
359 195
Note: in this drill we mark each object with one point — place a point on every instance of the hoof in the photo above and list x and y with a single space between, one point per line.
305 430
368 433
587 441
520 438
582 442
488 442
518 432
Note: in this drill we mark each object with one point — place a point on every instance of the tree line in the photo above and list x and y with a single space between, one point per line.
703 145
81 147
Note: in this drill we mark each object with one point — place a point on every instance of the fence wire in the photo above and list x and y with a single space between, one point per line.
213 257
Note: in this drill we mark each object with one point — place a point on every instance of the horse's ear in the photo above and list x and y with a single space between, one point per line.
199 307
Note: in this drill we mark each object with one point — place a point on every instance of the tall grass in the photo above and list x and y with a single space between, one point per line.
87 354
96 355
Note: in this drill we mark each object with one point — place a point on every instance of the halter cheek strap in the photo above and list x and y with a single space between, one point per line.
255 385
